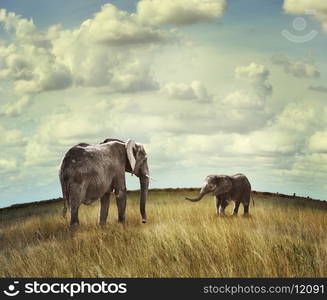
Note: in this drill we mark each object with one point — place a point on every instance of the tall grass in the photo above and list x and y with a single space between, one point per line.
181 239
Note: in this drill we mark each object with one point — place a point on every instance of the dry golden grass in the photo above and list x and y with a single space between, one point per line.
181 239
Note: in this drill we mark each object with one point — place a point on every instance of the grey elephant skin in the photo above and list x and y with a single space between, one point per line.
225 189
91 172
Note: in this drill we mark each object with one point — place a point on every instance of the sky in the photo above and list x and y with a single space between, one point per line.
207 86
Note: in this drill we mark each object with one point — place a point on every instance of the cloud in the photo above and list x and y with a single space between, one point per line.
111 49
180 12
287 134
11 137
296 68
24 28
7 166
319 88
28 60
194 91
15 109
121 115
264 143
63 128
39 153
57 132
114 27
187 150
45 78
317 7
132 77
257 75
281 151
235 139
318 142
244 100
300 117
254 96
253 72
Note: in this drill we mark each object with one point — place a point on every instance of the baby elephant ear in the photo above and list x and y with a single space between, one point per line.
129 145
224 185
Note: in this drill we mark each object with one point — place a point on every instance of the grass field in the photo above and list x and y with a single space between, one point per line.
282 238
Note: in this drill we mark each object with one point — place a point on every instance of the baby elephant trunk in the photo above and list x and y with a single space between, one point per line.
198 198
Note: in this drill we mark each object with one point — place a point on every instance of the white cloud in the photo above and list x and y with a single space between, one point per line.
244 100
12 144
254 96
194 91
133 76
115 27
296 68
15 109
257 75
253 72
45 78
300 118
38 153
288 134
10 137
59 131
56 132
318 142
317 7
180 12
28 59
137 117
268 142
112 49
25 29
7 166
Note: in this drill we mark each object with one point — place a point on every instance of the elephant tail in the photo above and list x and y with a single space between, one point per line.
64 180
252 200
65 192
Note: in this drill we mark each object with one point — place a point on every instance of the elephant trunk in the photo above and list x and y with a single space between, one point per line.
144 183
198 198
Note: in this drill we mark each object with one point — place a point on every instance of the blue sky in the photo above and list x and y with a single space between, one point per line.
213 88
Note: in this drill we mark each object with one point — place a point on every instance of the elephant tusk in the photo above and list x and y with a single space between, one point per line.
151 178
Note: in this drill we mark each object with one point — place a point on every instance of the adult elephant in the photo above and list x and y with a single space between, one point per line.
225 189
91 172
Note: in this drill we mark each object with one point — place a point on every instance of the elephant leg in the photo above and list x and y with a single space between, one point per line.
121 205
237 205
218 204
74 212
77 195
246 209
104 208
121 195
223 205
64 209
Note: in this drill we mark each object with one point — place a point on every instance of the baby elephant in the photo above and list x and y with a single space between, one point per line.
226 188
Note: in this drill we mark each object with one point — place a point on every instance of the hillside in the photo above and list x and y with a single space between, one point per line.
285 236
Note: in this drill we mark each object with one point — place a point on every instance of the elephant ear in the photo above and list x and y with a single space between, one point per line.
224 185
130 145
